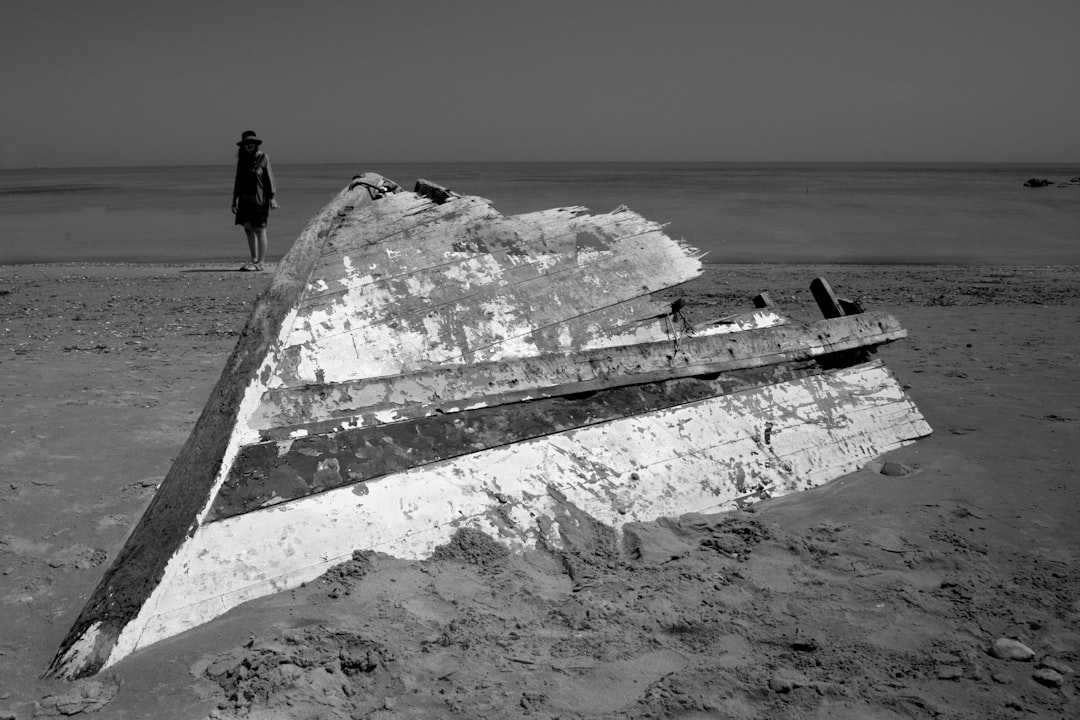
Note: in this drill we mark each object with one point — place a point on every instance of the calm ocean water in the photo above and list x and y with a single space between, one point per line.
736 212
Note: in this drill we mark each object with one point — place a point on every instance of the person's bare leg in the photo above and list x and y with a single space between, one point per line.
252 241
262 241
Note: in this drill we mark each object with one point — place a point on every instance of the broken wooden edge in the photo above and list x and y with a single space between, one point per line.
827 301
434 192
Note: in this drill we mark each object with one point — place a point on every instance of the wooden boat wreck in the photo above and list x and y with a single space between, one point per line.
421 363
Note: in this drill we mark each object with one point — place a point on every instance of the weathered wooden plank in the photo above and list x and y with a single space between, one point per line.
638 320
433 314
762 300
548 291
323 409
445 262
499 326
549 237
320 408
825 298
547 241
271 472
626 470
395 231
435 192
830 305
449 388
455 277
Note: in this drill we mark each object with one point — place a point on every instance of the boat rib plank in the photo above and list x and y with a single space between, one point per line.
474 331
272 472
448 388
470 279
550 237
549 292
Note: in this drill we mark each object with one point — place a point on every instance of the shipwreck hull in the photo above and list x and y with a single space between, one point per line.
421 364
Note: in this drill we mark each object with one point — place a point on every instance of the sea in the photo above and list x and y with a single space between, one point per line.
880 213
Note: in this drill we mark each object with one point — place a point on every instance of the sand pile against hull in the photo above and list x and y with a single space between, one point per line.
735 615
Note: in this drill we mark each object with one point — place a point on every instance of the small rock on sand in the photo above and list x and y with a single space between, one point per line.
89 696
894 469
1048 677
1008 649
784 681
948 672
1056 665
946 658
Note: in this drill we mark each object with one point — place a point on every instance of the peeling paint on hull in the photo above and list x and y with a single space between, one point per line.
419 365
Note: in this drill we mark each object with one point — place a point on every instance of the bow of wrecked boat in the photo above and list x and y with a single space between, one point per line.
422 363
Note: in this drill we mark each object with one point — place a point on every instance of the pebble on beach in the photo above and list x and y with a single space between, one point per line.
784 681
948 672
1048 677
1008 649
1056 665
894 469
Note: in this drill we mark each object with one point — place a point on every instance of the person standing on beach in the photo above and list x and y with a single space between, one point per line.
253 196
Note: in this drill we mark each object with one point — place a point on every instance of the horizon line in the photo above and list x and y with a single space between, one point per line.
565 162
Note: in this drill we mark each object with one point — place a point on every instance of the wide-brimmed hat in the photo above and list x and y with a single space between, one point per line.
249 136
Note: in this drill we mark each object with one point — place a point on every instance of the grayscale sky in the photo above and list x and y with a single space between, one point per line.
145 82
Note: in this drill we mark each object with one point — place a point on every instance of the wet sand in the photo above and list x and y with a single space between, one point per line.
879 595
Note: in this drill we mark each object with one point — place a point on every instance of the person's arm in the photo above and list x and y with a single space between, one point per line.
236 189
272 184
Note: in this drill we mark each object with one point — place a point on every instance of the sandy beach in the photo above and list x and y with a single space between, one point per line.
884 594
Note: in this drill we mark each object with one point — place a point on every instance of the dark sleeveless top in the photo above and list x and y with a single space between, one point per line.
253 189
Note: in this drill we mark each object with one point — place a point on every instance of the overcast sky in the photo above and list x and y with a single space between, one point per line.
145 82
